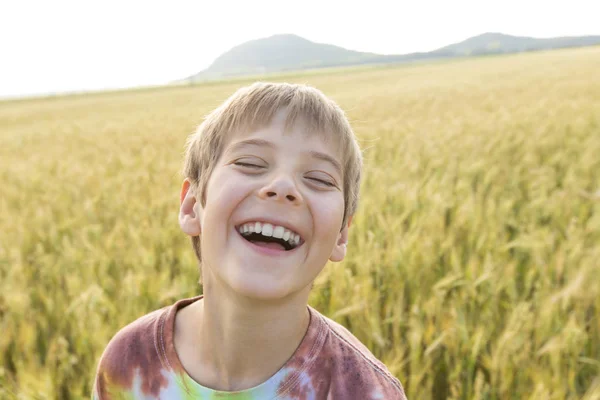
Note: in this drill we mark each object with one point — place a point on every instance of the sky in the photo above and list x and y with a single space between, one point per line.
49 47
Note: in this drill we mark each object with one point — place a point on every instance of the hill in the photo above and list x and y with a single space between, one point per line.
498 43
280 53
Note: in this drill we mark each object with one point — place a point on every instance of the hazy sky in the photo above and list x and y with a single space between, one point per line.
55 46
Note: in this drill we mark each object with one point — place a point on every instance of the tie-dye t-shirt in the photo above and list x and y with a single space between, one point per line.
140 362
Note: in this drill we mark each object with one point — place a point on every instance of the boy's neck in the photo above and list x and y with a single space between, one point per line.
231 343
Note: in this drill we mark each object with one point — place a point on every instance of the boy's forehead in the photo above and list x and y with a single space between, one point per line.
283 126
312 144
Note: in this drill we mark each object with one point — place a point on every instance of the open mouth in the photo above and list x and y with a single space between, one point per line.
270 236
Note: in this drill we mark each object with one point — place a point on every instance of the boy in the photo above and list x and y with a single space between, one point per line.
271 185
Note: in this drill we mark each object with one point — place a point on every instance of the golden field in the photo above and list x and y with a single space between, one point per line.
474 261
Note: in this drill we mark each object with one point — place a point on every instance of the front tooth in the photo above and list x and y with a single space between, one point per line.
267 230
286 235
278 232
257 227
251 228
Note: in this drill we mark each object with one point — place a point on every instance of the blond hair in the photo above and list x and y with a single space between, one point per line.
253 107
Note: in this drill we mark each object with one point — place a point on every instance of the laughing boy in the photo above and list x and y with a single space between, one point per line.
271 185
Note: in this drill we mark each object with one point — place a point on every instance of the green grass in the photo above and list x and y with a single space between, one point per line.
473 261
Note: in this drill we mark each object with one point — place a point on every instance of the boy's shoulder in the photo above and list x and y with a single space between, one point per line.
354 372
135 357
133 342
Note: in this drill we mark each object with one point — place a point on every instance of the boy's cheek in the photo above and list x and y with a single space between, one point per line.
224 191
331 210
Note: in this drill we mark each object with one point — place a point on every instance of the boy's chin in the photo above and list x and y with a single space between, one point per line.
263 288
263 291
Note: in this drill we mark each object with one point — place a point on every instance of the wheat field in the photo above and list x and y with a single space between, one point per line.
474 260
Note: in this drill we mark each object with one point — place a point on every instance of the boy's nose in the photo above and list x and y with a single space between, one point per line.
281 189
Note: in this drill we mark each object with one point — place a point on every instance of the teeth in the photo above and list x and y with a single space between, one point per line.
270 230
267 230
278 232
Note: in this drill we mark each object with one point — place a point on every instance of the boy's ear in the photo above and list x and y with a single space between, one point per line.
190 211
339 250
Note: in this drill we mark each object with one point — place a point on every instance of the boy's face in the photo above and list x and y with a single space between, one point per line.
293 181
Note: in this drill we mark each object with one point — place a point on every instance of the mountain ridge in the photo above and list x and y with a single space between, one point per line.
290 52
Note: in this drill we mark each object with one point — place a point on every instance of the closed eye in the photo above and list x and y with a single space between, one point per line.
327 183
248 165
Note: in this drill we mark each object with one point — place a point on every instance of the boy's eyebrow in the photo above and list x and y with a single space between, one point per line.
265 143
251 142
327 158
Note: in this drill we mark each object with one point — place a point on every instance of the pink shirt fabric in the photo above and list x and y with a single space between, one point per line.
140 362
